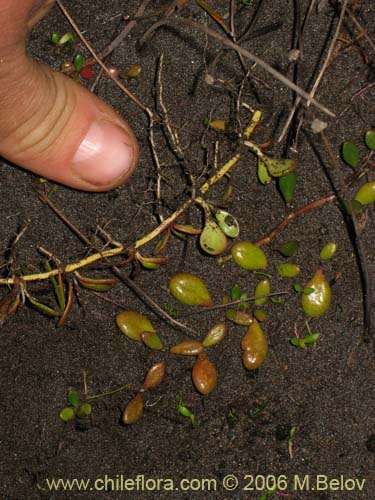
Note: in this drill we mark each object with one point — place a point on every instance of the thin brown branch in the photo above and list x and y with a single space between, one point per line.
329 54
44 198
293 215
361 29
125 32
233 303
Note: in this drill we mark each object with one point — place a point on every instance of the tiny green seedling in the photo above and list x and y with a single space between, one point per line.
75 408
78 62
55 38
300 289
237 294
302 343
278 300
185 412
168 308
59 41
310 339
232 418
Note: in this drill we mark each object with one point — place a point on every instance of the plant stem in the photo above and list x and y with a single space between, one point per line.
151 303
293 215
126 387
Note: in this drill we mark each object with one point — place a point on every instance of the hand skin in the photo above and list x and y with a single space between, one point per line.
49 124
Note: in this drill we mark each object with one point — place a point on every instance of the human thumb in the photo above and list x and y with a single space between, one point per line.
49 124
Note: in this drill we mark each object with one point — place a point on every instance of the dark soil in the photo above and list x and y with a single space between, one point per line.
327 392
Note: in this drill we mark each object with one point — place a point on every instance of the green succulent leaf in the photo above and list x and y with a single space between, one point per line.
66 414
84 411
370 139
152 341
263 175
73 398
248 256
227 223
132 324
235 293
67 37
78 62
350 154
278 167
212 239
55 38
287 270
289 248
328 251
190 290
287 185
365 194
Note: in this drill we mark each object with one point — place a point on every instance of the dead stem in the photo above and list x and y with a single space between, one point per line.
44 199
232 303
329 54
153 305
239 49
361 29
125 32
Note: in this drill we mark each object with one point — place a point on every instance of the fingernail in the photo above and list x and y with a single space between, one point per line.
104 155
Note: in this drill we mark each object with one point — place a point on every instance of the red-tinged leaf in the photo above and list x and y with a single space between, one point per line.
188 348
9 304
87 73
97 284
204 376
133 410
151 262
162 243
255 347
215 15
154 376
187 229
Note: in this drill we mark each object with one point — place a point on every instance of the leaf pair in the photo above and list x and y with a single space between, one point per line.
134 408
